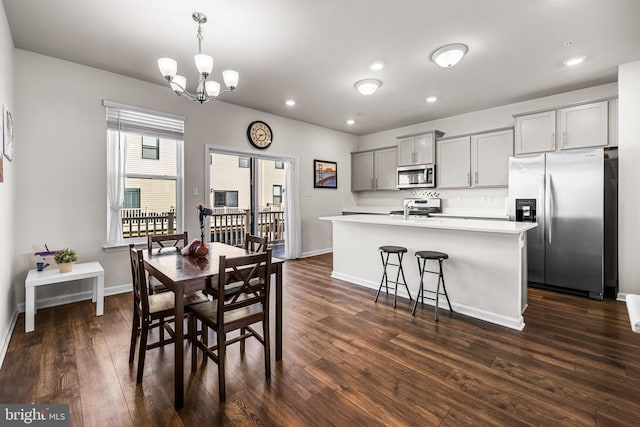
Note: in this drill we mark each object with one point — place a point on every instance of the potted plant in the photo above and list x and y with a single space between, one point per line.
65 259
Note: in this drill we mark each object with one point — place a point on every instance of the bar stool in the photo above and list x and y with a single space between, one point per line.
399 251
431 255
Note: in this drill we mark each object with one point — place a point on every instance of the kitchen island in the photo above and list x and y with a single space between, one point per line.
485 275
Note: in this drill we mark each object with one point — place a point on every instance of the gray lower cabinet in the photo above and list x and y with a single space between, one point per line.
374 169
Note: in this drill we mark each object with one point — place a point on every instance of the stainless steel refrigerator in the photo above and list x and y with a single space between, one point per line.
572 195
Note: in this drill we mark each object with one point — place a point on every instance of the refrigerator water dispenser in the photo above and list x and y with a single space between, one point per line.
526 210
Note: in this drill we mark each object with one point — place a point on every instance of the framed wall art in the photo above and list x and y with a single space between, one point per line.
8 132
325 174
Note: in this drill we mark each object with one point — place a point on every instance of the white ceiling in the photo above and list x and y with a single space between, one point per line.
315 50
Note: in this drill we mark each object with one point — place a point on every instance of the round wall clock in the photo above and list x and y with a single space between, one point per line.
259 134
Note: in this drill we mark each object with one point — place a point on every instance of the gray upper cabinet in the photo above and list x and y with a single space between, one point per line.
362 171
579 126
417 149
374 169
478 160
453 167
536 133
584 125
490 154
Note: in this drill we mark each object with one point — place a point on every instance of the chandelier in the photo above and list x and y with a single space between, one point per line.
207 90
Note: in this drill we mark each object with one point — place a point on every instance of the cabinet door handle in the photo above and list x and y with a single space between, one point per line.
476 177
564 138
375 183
468 178
372 184
553 140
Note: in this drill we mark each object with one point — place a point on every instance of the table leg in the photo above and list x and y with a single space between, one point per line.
279 298
30 303
179 346
98 286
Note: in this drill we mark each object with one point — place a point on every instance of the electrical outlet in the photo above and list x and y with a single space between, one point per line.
195 191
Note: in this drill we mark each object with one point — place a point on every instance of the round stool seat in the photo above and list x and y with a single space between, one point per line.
431 255
393 249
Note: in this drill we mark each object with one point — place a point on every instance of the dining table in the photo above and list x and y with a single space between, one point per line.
185 274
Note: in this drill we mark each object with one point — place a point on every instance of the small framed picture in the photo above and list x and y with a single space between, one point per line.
325 174
8 132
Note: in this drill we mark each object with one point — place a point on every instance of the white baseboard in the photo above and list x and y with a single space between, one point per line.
75 297
318 252
7 338
622 296
509 322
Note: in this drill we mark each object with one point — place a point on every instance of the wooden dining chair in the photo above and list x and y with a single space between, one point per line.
254 243
162 241
248 305
152 311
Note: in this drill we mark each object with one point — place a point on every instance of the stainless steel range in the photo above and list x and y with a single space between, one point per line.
419 208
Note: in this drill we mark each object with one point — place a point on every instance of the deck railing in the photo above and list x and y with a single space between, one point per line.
230 228
228 225
140 223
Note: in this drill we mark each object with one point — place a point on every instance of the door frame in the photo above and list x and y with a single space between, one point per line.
233 151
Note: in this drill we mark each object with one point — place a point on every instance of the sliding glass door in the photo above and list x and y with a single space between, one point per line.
247 194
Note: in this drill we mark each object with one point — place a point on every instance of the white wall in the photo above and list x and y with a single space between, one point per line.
478 121
7 188
61 190
629 159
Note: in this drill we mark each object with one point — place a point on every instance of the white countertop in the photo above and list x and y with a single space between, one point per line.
478 225
471 214
379 210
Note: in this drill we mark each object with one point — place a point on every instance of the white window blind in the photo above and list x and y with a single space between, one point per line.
126 118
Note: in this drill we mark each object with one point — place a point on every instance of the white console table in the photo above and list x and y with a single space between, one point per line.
48 277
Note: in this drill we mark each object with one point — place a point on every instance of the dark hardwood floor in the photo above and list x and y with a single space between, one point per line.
347 361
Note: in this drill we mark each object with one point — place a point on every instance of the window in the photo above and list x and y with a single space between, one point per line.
277 194
150 148
143 197
279 164
131 198
222 199
244 162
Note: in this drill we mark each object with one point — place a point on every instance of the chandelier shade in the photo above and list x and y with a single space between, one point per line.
207 90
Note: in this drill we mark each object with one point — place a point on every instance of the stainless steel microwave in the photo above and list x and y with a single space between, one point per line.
416 176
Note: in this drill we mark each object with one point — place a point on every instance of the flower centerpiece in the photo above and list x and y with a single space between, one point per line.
202 250
65 258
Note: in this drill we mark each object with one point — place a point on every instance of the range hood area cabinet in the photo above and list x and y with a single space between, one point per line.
418 149
578 126
478 160
374 170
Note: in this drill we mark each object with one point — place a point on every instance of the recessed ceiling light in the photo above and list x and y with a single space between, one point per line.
290 102
350 122
431 99
574 61
567 43
449 55
368 86
376 65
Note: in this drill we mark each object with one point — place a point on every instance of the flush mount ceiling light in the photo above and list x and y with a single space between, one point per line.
350 122
574 61
206 90
449 55
290 102
376 65
431 99
368 86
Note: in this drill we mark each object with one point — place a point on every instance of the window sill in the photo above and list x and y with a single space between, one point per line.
119 247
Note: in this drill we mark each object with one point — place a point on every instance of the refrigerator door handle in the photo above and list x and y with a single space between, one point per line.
549 207
541 224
